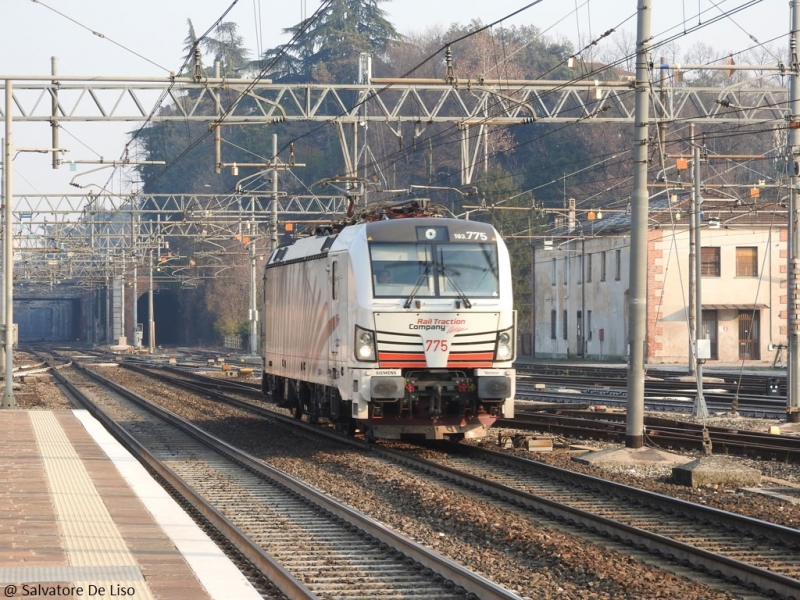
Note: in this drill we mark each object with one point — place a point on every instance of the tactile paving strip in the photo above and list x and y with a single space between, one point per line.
91 540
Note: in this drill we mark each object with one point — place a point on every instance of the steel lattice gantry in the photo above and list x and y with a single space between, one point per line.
50 224
464 101
405 106
68 237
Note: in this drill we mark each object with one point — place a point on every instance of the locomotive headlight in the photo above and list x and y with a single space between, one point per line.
505 345
365 345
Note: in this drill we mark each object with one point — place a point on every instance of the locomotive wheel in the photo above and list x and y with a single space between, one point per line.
290 398
316 400
302 396
277 389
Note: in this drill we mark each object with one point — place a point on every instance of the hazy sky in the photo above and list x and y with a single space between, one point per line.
145 38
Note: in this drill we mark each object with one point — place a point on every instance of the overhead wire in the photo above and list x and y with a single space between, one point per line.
546 30
260 76
453 41
600 160
298 34
415 68
736 9
673 235
99 34
249 87
747 33
753 313
673 246
77 139
169 88
161 98
458 39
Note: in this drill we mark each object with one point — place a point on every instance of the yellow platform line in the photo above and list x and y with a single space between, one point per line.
90 537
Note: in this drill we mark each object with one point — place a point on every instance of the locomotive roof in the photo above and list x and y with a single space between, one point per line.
406 229
390 230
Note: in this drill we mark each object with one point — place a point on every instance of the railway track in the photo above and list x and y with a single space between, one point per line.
741 550
307 544
677 397
660 432
660 378
578 385
609 427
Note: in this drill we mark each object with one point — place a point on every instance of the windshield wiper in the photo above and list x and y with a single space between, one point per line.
422 277
447 272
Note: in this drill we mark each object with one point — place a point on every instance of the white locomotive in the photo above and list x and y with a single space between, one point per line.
394 326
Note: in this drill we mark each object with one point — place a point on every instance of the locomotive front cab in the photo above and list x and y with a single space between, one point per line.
442 332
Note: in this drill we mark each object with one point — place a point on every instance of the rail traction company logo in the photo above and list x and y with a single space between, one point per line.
436 324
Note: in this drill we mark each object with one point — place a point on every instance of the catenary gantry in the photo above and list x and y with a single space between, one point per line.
47 224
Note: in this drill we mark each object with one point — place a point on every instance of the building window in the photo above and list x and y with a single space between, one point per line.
552 324
588 268
588 324
566 271
746 262
709 262
564 327
618 265
580 269
603 265
553 271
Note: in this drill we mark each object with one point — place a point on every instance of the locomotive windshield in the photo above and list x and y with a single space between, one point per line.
444 270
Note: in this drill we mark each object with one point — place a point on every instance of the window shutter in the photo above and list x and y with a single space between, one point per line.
746 262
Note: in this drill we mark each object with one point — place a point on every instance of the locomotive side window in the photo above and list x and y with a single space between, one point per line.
334 278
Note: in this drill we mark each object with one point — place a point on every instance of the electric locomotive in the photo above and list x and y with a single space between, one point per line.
398 325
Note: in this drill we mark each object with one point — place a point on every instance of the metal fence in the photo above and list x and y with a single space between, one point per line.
232 341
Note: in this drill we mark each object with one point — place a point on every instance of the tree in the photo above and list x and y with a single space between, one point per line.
193 58
228 298
326 50
227 48
496 54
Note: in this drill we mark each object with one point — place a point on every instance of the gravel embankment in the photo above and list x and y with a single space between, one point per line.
538 560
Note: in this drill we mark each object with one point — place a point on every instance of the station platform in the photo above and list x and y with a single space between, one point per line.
80 517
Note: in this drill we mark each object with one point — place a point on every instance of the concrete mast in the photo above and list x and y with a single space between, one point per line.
793 367
8 254
637 307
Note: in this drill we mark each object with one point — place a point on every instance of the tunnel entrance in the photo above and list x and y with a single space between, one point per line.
48 319
165 316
